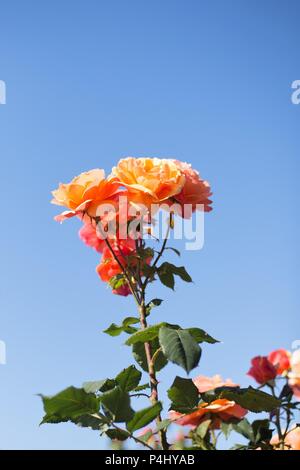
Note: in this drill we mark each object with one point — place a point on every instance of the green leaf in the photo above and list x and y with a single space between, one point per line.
117 403
129 378
244 428
180 347
166 278
249 398
183 394
164 424
140 388
90 421
201 336
68 405
143 417
145 335
153 303
226 428
117 434
175 270
115 330
203 428
138 350
261 430
98 386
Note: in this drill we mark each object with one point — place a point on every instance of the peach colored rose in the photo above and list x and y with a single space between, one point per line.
218 410
84 193
291 442
221 409
294 374
194 191
149 180
262 370
204 384
280 358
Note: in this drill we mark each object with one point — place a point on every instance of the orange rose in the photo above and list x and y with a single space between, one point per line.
221 409
280 358
195 190
291 441
149 180
218 410
84 193
294 374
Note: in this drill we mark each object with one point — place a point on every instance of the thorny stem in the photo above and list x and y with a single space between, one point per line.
151 370
139 295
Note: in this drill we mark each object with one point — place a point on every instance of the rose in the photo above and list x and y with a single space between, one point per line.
280 358
195 190
109 267
149 180
294 374
85 193
291 441
218 410
204 384
262 370
88 234
221 409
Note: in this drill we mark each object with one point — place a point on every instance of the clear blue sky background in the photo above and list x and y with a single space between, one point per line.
89 82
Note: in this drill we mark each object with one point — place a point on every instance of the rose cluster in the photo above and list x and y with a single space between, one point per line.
135 189
279 363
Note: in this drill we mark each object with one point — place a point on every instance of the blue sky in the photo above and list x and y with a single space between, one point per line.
89 82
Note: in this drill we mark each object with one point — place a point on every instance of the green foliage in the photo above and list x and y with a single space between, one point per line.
69 405
129 378
116 403
180 347
145 335
98 386
116 330
143 417
117 434
201 336
166 272
249 398
139 355
184 395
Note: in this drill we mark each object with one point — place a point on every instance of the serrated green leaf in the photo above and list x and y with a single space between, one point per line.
145 335
129 378
203 428
140 388
249 398
117 434
180 347
201 336
116 330
138 350
98 386
143 417
117 403
166 278
183 394
68 405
